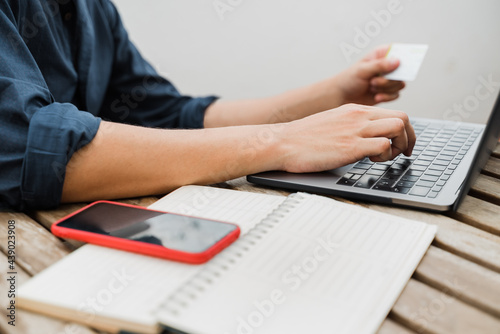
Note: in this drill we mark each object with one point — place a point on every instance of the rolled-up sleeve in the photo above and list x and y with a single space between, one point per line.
37 135
55 132
138 95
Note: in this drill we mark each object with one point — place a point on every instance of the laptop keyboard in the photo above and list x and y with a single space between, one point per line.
438 151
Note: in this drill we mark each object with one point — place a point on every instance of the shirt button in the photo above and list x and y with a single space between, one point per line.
68 16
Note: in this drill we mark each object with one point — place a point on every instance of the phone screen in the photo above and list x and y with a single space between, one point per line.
183 233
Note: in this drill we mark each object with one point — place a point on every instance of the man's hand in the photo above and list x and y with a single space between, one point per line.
345 135
363 82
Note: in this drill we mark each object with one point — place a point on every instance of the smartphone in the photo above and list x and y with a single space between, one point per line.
150 232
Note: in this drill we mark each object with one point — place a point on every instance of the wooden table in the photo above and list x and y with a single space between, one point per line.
455 289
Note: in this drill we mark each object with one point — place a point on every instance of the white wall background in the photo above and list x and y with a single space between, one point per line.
257 48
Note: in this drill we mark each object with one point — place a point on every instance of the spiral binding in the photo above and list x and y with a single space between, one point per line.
225 260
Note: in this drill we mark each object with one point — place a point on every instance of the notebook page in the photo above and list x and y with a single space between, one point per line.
242 208
117 284
326 267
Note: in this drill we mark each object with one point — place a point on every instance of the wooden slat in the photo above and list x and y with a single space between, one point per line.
492 167
391 327
48 217
496 152
243 185
427 310
28 322
479 213
487 188
143 201
461 278
36 248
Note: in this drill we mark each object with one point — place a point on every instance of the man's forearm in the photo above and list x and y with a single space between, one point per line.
129 161
124 161
285 107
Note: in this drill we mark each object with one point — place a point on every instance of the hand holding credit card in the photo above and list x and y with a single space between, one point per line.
410 56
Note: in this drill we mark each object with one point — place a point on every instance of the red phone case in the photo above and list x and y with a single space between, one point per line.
142 247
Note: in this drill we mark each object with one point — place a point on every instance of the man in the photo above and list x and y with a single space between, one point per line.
85 117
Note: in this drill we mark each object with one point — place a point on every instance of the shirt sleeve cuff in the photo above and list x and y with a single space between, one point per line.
193 112
55 133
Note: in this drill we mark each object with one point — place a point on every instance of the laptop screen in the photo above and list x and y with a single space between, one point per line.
489 140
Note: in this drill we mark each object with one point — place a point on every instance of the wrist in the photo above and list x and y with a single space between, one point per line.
329 93
273 146
283 146
337 85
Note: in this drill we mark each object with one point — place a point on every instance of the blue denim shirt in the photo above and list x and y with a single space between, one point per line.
64 66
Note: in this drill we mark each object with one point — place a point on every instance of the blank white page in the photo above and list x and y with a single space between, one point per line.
317 266
127 286
239 207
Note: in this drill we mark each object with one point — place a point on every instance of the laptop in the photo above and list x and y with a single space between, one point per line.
447 158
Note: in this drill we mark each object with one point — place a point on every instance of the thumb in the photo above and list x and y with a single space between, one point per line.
371 68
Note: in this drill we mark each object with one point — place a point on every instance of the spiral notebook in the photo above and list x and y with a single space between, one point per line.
304 263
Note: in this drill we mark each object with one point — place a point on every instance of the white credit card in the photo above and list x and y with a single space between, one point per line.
410 58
